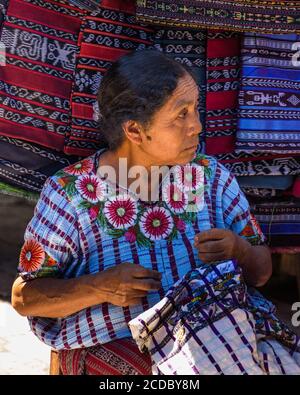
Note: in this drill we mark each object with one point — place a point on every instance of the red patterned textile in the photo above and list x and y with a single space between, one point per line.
36 83
222 76
119 357
56 57
105 35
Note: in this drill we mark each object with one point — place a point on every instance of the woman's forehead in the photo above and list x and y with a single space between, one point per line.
187 91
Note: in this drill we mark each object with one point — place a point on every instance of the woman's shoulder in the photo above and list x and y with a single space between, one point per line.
212 167
77 178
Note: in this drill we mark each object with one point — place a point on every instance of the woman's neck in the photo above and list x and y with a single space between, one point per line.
133 171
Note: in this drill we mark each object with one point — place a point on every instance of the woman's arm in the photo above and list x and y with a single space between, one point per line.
122 285
220 244
255 261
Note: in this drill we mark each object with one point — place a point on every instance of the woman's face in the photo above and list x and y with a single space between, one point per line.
175 127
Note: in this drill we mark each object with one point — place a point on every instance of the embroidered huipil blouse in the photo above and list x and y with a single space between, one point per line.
80 228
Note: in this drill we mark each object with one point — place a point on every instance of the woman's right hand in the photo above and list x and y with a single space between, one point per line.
128 283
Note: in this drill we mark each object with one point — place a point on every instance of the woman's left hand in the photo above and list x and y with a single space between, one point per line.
220 244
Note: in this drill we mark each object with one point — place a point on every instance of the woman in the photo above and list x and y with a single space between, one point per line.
96 254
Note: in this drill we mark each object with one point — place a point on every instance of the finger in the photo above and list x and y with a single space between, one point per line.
137 293
134 301
211 234
210 258
142 272
146 285
211 247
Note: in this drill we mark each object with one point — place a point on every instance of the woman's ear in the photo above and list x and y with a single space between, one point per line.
134 132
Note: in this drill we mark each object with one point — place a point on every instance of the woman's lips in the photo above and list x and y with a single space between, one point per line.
194 147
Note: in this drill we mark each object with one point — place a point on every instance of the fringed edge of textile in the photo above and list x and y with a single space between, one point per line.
18 192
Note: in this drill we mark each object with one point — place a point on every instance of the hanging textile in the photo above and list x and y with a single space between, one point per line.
222 87
35 85
106 34
269 111
265 16
188 47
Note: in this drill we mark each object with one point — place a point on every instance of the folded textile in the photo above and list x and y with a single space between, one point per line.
263 193
10 190
208 323
266 16
27 166
271 182
296 188
285 250
89 5
279 221
260 164
269 111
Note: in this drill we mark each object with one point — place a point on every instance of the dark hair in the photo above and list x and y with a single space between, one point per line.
135 88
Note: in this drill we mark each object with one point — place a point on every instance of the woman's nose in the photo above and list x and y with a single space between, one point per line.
195 127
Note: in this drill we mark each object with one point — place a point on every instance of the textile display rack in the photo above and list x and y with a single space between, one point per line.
245 54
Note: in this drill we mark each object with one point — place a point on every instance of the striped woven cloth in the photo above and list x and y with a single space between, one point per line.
266 16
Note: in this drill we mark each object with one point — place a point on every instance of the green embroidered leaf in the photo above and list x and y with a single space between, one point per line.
47 272
173 234
185 216
116 232
70 188
85 204
207 172
60 173
102 220
143 241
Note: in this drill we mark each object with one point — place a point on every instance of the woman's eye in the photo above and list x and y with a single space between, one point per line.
183 114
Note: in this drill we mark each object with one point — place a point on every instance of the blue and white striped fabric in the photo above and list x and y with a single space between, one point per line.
206 325
73 243
269 111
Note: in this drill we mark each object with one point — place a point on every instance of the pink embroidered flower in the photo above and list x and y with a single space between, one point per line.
79 168
130 235
32 256
156 223
175 198
91 188
180 224
121 211
189 177
94 211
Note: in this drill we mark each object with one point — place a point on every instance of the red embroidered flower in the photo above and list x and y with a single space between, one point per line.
189 177
156 223
121 211
175 198
32 256
79 168
91 188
